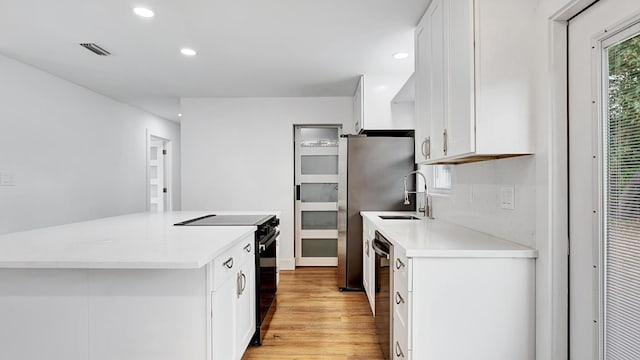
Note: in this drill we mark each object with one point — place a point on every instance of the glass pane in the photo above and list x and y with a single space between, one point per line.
442 177
319 220
318 137
622 202
310 192
319 164
319 247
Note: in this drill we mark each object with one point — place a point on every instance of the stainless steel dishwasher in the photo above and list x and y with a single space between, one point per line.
384 286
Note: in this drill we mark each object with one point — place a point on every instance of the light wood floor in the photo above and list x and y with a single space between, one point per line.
316 321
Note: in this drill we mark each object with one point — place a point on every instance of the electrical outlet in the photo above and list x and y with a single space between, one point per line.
508 198
7 179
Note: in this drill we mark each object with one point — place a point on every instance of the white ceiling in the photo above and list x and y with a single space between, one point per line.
245 47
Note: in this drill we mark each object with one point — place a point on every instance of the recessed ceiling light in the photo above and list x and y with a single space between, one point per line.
400 56
180 115
144 12
188 52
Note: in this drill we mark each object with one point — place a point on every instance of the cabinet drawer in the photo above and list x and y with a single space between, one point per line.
401 305
401 268
400 348
246 247
230 261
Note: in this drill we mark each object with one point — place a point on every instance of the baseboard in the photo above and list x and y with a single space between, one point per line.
287 264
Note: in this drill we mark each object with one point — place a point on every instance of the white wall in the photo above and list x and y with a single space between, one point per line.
379 90
75 154
540 219
238 154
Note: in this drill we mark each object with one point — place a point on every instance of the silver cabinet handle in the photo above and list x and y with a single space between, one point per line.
228 263
399 352
239 284
399 299
422 149
444 141
366 248
243 282
247 248
399 264
428 147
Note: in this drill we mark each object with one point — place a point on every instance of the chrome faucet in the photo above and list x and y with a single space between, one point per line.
426 209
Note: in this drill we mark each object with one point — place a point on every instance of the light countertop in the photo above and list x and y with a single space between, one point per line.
438 238
136 241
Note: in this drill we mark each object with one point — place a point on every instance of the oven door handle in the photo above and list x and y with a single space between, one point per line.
264 244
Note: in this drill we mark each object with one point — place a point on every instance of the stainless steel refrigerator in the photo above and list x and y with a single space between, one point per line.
371 170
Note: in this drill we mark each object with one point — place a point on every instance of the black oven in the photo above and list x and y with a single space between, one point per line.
266 280
266 239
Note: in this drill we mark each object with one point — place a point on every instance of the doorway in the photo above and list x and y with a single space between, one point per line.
158 174
604 181
316 198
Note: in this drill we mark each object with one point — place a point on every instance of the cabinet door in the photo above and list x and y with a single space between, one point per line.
461 94
368 272
436 73
358 106
245 306
365 265
223 320
423 130
372 278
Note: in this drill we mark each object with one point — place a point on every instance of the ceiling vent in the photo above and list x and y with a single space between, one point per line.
95 48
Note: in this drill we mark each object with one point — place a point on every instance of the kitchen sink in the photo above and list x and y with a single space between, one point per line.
398 217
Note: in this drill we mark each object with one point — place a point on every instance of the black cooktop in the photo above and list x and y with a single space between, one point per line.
226 220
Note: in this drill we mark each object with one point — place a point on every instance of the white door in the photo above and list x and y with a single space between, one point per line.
157 186
316 204
604 181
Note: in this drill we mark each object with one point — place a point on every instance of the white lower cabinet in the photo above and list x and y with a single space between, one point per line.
368 263
463 308
223 319
233 313
246 307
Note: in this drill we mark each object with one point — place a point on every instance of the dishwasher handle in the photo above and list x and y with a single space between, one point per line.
381 246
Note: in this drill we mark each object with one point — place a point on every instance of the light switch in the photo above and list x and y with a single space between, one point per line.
508 198
7 179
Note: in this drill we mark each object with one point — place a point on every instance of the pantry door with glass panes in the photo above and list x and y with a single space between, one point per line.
316 195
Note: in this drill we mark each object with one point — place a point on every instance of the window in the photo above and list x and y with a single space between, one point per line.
442 177
622 199
439 178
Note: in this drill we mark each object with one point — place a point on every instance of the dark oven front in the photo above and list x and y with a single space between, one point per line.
266 276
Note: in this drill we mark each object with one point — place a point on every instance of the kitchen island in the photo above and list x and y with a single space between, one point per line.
127 287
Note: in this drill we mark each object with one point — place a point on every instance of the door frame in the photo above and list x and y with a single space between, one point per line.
552 210
167 168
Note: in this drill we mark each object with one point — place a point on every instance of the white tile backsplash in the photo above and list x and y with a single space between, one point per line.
475 200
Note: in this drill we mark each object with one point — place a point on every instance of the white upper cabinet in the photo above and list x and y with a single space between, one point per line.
358 106
373 103
472 81
422 132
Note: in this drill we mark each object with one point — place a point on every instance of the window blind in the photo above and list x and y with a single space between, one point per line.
622 202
